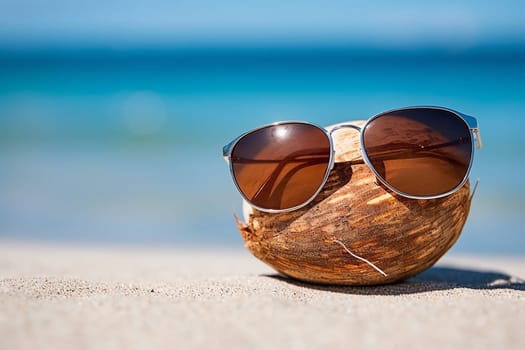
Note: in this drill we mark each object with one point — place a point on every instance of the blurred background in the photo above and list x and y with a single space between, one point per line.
113 113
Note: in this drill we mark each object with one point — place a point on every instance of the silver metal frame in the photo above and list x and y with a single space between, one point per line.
469 121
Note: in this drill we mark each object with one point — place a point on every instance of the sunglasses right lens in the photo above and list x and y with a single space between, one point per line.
281 166
420 152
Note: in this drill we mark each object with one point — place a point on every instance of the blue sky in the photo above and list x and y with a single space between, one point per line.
129 23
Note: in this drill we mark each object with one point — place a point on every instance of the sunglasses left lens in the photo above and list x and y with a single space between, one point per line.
281 166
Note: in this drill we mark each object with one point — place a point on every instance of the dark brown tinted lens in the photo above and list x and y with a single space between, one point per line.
281 166
419 151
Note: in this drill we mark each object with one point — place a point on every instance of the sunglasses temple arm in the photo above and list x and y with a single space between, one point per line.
226 151
477 136
267 186
474 190
387 154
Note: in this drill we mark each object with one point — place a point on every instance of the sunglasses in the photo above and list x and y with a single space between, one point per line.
417 152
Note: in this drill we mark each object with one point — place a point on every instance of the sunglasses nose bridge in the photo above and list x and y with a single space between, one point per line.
337 127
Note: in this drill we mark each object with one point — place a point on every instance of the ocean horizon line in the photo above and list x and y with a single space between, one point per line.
504 51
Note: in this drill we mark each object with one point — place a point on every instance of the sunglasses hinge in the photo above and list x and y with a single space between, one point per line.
477 136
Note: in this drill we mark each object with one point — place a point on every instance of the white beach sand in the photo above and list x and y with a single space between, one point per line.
59 297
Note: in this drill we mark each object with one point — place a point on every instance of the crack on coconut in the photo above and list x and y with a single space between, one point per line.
360 258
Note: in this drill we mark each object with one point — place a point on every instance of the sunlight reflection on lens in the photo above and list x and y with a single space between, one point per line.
281 132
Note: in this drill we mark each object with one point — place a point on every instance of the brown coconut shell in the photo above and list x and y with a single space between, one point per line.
355 214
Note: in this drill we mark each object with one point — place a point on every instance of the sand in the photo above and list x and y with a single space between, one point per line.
63 297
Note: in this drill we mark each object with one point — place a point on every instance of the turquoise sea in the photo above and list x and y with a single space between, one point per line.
124 147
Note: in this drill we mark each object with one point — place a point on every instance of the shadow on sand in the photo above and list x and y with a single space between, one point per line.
435 278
